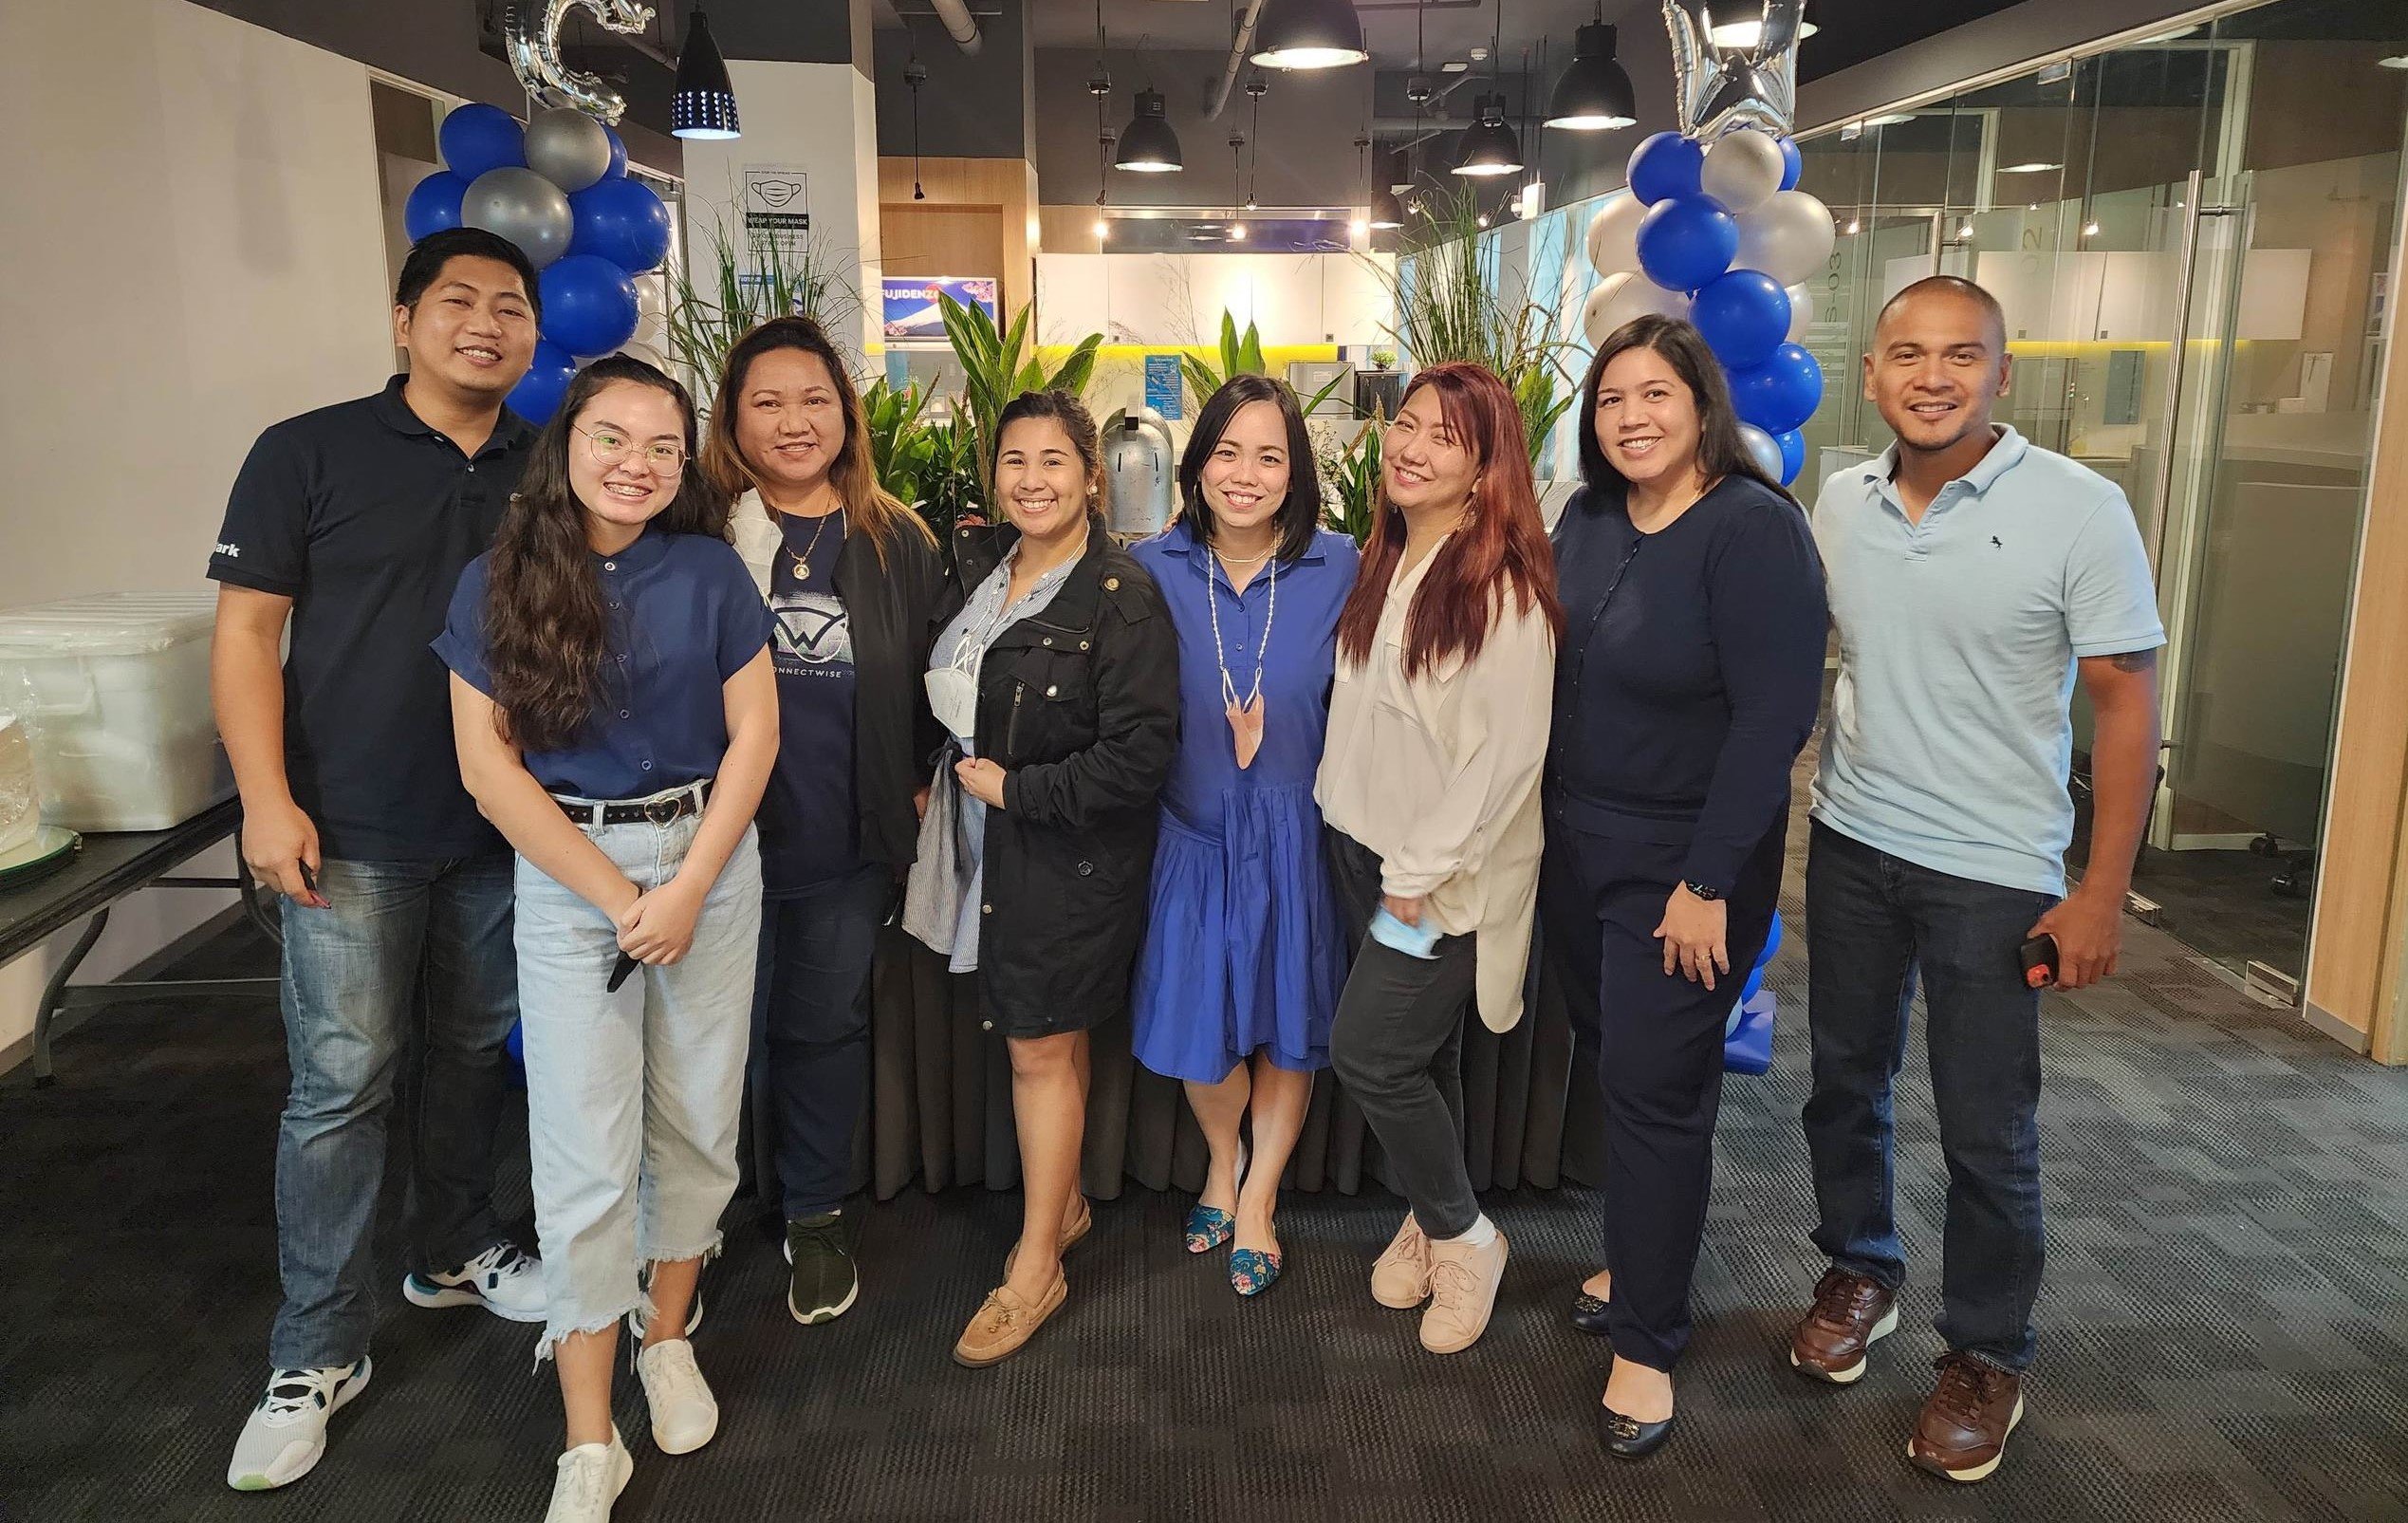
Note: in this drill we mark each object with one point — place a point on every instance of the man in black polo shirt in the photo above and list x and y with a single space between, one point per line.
352 523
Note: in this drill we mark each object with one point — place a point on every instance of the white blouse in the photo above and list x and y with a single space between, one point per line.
1438 775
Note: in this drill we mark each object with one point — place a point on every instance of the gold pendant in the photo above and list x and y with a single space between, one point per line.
1246 727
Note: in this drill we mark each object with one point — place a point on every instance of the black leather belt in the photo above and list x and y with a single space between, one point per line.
664 809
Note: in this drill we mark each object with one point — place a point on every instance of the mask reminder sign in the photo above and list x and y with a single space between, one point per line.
910 308
1162 385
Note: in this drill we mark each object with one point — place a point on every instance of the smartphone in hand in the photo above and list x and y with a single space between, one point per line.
2038 960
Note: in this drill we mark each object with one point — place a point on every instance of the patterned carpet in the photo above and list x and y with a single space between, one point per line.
2224 1328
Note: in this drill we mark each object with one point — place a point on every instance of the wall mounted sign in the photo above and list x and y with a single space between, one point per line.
1162 385
909 308
777 207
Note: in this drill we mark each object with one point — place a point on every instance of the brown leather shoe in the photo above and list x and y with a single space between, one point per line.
1003 1323
1851 1313
1962 1431
1400 1278
1080 1226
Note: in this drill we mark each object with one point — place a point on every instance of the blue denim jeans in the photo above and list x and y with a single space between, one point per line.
632 1098
810 1031
398 938
1873 922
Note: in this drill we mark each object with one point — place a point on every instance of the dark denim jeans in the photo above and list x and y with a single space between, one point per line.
810 1031
402 941
1873 922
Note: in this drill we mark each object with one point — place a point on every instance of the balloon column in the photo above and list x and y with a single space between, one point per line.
1747 1036
1718 232
558 189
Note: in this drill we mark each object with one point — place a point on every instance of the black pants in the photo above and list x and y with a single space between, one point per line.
1659 1057
1874 921
1396 1044
810 1031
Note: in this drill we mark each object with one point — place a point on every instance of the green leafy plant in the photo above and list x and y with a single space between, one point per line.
998 365
745 283
1350 476
931 463
1240 355
1384 358
1447 310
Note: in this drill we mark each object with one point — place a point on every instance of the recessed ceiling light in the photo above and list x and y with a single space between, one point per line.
2396 61
2035 167
1455 66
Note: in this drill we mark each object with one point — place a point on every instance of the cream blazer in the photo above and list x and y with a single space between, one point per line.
1440 776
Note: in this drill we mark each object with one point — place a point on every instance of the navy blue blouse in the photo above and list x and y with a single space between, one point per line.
685 616
1689 671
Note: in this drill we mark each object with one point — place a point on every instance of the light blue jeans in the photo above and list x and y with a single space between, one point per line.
632 1098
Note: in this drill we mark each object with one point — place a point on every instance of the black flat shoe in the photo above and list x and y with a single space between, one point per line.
1589 1314
1628 1437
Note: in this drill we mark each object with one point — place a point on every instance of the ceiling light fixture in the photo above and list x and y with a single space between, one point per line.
1594 95
1386 211
1748 33
1303 34
2396 61
704 105
1148 146
1888 118
2035 167
1490 147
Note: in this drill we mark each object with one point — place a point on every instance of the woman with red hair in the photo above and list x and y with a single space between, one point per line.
1429 789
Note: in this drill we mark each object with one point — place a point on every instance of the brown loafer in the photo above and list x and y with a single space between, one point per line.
1961 1433
1400 1277
1005 1322
1851 1313
1080 1226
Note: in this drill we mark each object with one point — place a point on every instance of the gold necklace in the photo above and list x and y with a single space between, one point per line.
802 558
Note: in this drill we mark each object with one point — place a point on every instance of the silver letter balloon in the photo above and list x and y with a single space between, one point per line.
1747 78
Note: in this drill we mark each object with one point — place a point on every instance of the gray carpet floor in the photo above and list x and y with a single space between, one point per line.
2225 1324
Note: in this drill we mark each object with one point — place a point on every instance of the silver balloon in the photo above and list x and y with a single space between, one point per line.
523 207
532 42
568 147
1624 295
1613 233
1763 449
1735 64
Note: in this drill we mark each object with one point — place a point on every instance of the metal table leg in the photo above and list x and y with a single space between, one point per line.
54 996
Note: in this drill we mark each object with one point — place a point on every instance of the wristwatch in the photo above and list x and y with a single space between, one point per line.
1708 895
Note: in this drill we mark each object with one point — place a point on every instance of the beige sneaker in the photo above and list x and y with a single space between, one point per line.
1463 1282
1401 1276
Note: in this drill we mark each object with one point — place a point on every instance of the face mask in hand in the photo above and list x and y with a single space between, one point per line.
953 697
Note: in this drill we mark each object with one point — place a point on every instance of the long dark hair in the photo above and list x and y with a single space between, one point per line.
1721 452
870 506
1300 515
546 625
1501 544
1075 419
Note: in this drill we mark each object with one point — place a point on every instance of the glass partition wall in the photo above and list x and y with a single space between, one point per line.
2190 235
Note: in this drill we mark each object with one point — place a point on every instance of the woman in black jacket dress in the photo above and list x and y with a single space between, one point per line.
1687 680
1058 679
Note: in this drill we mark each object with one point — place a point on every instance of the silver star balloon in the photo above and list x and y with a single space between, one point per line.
1735 63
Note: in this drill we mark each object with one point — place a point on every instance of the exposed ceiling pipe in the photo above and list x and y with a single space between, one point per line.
959 23
1241 45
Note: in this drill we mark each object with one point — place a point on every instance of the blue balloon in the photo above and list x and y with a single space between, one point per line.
1744 315
434 205
1685 242
1780 393
1664 166
1771 943
538 393
478 136
1792 163
590 304
619 154
1792 461
623 221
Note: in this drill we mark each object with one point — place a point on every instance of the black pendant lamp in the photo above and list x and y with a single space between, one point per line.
705 105
1594 95
1308 35
1386 211
1148 146
1491 147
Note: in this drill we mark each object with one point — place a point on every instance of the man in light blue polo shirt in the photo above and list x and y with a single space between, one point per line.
1973 576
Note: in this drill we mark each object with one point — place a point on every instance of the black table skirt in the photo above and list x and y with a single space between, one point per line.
940 1106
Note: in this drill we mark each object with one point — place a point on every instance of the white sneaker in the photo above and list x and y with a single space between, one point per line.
588 1479
287 1431
501 1279
685 1415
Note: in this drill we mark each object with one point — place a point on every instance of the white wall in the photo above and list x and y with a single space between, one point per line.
195 250
1168 298
816 118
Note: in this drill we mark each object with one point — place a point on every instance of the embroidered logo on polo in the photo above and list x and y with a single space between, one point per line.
812 630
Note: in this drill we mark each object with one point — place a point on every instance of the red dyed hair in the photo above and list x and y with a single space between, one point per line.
1501 544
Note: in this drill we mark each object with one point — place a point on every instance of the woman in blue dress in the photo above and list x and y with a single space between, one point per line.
1246 949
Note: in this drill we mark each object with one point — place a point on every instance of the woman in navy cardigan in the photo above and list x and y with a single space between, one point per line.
1687 680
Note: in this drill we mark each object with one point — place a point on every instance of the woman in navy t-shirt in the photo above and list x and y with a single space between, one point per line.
617 719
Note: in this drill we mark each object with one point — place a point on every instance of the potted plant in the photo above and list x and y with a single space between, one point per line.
747 283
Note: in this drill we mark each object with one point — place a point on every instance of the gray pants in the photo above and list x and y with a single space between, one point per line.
1396 1044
